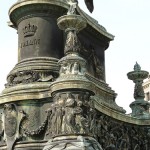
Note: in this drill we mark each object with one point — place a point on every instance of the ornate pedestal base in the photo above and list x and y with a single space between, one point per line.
73 143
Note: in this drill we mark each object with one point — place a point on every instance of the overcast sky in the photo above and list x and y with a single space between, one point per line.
128 20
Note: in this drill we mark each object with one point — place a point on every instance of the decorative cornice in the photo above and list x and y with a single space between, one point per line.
72 83
96 29
100 84
30 8
25 92
120 116
36 63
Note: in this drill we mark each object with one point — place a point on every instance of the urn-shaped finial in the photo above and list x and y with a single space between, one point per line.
137 67
140 107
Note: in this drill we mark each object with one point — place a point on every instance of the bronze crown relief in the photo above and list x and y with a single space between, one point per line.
29 30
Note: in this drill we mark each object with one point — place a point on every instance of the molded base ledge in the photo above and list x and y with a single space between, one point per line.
80 82
37 63
26 92
26 146
73 143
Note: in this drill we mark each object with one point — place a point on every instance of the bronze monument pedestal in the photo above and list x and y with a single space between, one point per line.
56 96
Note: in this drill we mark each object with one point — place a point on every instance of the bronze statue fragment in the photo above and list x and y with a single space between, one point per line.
89 4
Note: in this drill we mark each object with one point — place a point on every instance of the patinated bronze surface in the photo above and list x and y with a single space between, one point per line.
89 4
56 96
140 107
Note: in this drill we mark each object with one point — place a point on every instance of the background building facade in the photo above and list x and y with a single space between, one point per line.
146 87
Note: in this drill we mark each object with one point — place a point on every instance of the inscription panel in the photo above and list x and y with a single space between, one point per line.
30 43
